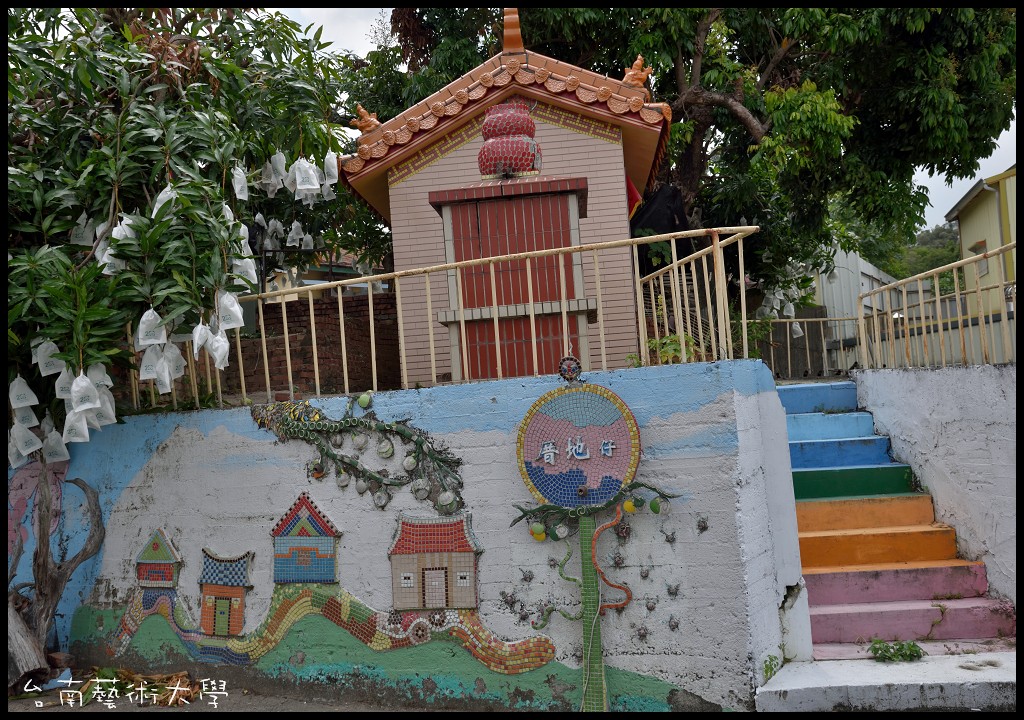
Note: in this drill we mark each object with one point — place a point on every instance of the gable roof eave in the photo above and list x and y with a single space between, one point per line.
645 125
305 499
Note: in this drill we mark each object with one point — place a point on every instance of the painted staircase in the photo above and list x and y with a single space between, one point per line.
876 563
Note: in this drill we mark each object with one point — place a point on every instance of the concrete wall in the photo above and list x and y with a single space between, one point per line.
715 582
957 429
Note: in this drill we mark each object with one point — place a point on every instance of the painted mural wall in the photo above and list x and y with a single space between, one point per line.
957 428
489 613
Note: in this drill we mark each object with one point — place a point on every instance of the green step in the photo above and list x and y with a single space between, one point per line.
855 480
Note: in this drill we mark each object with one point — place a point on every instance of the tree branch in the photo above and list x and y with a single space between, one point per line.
703 28
699 96
185 20
97 532
12 566
784 47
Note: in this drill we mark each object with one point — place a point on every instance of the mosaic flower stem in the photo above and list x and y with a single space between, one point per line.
545 613
595 697
433 463
597 568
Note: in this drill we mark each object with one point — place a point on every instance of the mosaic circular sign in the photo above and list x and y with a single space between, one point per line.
578 446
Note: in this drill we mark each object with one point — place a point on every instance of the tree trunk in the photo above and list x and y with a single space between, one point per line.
24 653
49 576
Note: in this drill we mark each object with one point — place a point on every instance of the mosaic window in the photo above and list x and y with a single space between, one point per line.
462 579
577 446
407 580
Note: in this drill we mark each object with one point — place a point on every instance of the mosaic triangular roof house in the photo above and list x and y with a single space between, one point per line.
305 545
434 562
590 143
158 563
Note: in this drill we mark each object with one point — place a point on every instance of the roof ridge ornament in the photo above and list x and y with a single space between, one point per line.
513 42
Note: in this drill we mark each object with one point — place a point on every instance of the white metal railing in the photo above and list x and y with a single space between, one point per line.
689 306
327 340
952 315
810 347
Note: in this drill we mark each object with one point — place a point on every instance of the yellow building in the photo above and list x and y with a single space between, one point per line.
987 217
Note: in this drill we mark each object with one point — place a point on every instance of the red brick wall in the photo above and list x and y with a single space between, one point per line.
328 342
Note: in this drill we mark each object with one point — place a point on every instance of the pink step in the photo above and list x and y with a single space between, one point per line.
891 582
913 620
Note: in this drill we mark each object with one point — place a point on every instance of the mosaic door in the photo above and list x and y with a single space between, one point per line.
502 227
435 588
222 616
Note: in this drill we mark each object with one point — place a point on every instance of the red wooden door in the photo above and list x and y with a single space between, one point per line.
502 227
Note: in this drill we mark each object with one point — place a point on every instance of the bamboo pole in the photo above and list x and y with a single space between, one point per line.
430 329
312 337
287 349
960 318
462 325
497 325
263 343
686 306
645 358
982 330
189 358
863 331
533 316
373 341
344 349
925 325
824 350
906 328
676 308
938 315
743 300
562 306
600 311
1004 315
654 325
241 363
133 375
721 299
710 306
403 361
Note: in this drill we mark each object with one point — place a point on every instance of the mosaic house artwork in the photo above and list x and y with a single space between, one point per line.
222 586
434 563
158 562
305 545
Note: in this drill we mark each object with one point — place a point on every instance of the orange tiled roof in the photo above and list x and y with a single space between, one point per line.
644 125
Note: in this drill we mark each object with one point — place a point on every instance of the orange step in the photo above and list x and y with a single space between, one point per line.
901 565
864 512
861 546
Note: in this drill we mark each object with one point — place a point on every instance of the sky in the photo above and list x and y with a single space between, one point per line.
349 29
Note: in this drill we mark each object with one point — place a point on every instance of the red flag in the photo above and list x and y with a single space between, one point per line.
633 199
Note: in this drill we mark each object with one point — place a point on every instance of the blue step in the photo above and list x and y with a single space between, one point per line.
829 426
843 452
819 397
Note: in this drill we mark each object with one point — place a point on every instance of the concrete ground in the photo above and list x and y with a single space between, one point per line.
972 682
241 701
